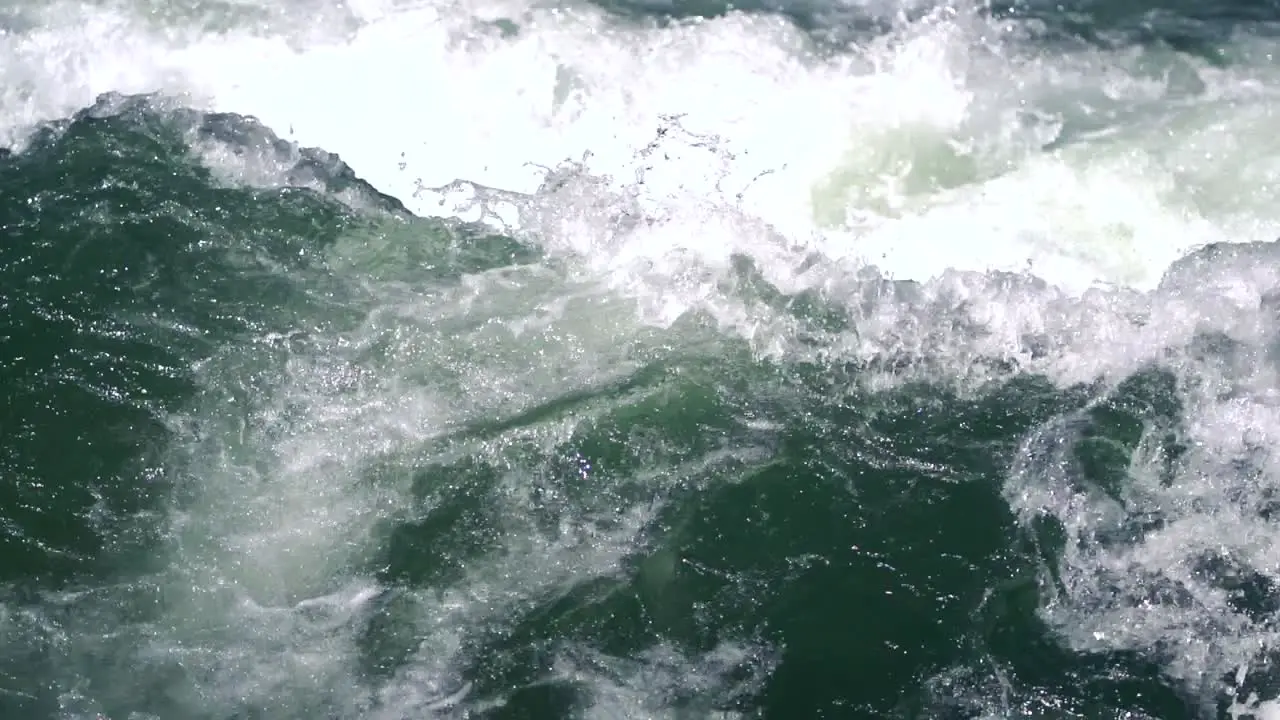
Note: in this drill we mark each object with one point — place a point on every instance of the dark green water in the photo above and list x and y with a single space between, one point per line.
285 450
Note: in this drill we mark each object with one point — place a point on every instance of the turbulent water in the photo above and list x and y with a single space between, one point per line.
504 359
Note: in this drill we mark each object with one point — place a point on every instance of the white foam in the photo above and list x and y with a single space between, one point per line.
1150 589
661 682
921 152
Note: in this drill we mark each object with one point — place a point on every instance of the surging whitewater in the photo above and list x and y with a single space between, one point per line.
647 158
1084 166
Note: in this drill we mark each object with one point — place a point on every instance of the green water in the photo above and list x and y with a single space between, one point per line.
656 444
681 521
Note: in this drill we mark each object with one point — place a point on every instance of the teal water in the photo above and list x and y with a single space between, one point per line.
282 440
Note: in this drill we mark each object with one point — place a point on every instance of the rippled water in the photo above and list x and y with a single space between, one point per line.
844 360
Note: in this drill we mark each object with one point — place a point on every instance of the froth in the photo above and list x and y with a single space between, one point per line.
949 143
1179 560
